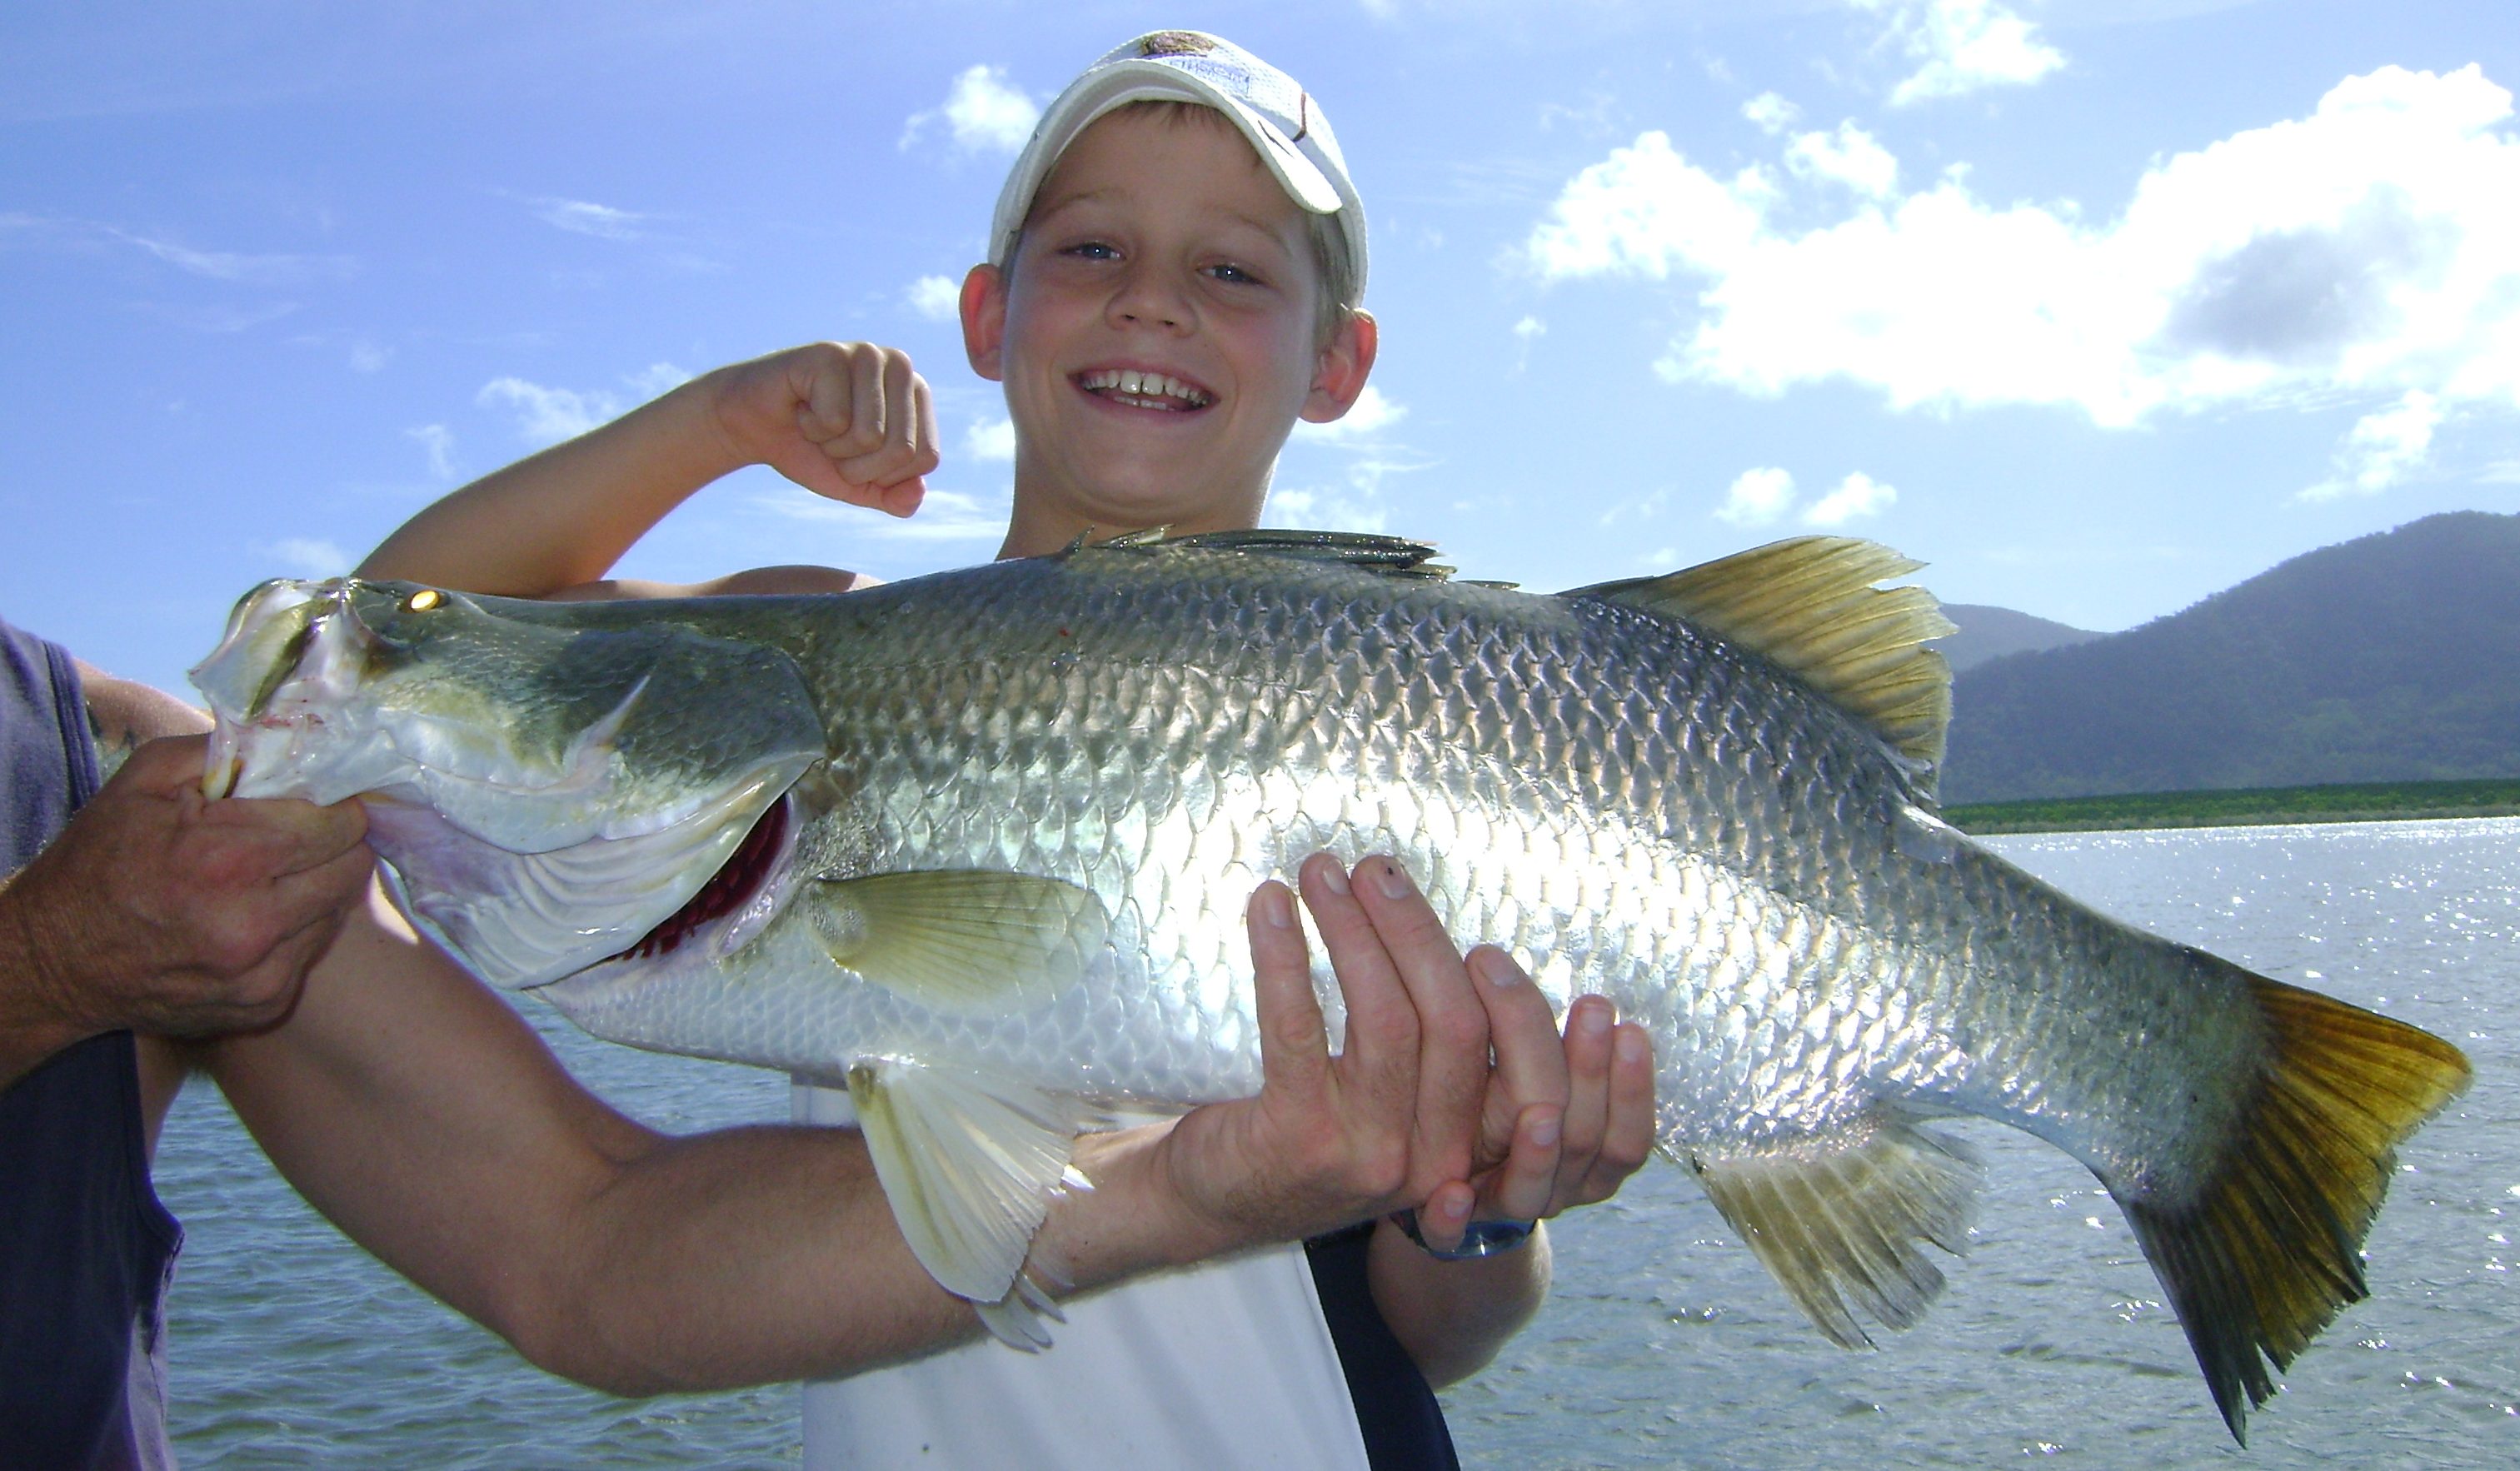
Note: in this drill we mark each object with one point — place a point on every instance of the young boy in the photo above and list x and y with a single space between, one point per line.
1177 265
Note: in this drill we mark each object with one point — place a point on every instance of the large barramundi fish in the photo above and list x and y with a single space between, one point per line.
977 845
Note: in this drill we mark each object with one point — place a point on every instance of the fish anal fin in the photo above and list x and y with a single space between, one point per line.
2267 1252
964 942
1810 604
1840 1215
968 1163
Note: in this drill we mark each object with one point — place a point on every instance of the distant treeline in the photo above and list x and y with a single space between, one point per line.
2248 807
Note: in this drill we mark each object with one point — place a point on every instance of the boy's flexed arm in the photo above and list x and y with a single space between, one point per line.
852 422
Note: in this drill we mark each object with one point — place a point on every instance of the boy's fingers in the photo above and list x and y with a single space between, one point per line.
1294 1045
904 498
903 429
830 399
930 451
865 403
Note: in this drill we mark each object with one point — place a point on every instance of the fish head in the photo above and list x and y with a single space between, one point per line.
551 784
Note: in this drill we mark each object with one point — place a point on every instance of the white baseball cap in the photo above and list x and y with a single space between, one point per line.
1285 124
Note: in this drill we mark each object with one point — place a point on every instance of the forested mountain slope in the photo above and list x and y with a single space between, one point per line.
2392 657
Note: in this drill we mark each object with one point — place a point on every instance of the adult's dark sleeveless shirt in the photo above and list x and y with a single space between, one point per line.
85 1247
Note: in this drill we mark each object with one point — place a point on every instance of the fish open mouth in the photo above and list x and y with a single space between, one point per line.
731 888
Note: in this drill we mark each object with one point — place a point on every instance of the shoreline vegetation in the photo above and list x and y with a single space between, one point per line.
2242 807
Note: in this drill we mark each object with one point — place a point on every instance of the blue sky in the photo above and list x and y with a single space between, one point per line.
2097 308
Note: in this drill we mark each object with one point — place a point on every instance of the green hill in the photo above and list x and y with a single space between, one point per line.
1991 633
2394 657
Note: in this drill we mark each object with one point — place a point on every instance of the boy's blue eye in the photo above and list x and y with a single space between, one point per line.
1092 249
1236 274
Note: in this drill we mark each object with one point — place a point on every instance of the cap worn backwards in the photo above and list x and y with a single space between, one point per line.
1284 123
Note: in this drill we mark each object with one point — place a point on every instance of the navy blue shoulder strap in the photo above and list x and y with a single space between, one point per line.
85 1246
1403 1424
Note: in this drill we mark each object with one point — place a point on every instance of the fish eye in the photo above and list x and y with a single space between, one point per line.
422 600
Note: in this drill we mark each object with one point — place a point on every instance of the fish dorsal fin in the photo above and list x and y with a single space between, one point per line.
1840 1215
964 942
1810 604
969 1163
1385 555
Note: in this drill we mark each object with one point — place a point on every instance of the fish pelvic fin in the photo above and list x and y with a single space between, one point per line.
1809 604
970 1164
1838 1215
2270 1249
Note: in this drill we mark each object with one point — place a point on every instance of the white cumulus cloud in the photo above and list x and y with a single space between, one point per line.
2372 247
990 439
308 556
547 416
1771 112
983 113
580 217
1371 414
945 515
658 378
938 298
1962 46
438 441
2383 449
1849 156
1857 496
1757 497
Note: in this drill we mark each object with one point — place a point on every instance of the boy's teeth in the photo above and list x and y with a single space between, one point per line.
1150 390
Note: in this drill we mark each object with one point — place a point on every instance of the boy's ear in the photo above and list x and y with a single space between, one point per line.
1339 376
984 322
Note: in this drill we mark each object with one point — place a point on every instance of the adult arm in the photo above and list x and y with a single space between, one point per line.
848 420
418 1111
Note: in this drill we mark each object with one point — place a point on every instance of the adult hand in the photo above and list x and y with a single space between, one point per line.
163 912
1565 1120
850 420
1396 1113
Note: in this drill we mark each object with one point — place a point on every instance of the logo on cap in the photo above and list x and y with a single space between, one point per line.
1176 43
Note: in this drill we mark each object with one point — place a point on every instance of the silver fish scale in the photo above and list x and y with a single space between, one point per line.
1628 804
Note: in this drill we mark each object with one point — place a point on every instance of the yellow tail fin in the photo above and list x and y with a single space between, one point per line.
2265 1256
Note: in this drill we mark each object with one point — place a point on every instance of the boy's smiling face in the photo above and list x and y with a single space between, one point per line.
1158 337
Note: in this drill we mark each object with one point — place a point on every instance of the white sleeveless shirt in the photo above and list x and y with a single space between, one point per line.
1224 1364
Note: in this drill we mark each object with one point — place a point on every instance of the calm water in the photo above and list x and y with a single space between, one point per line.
1665 1344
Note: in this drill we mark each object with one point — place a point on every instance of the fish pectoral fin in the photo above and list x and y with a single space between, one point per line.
964 942
968 1163
1840 1215
1809 604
